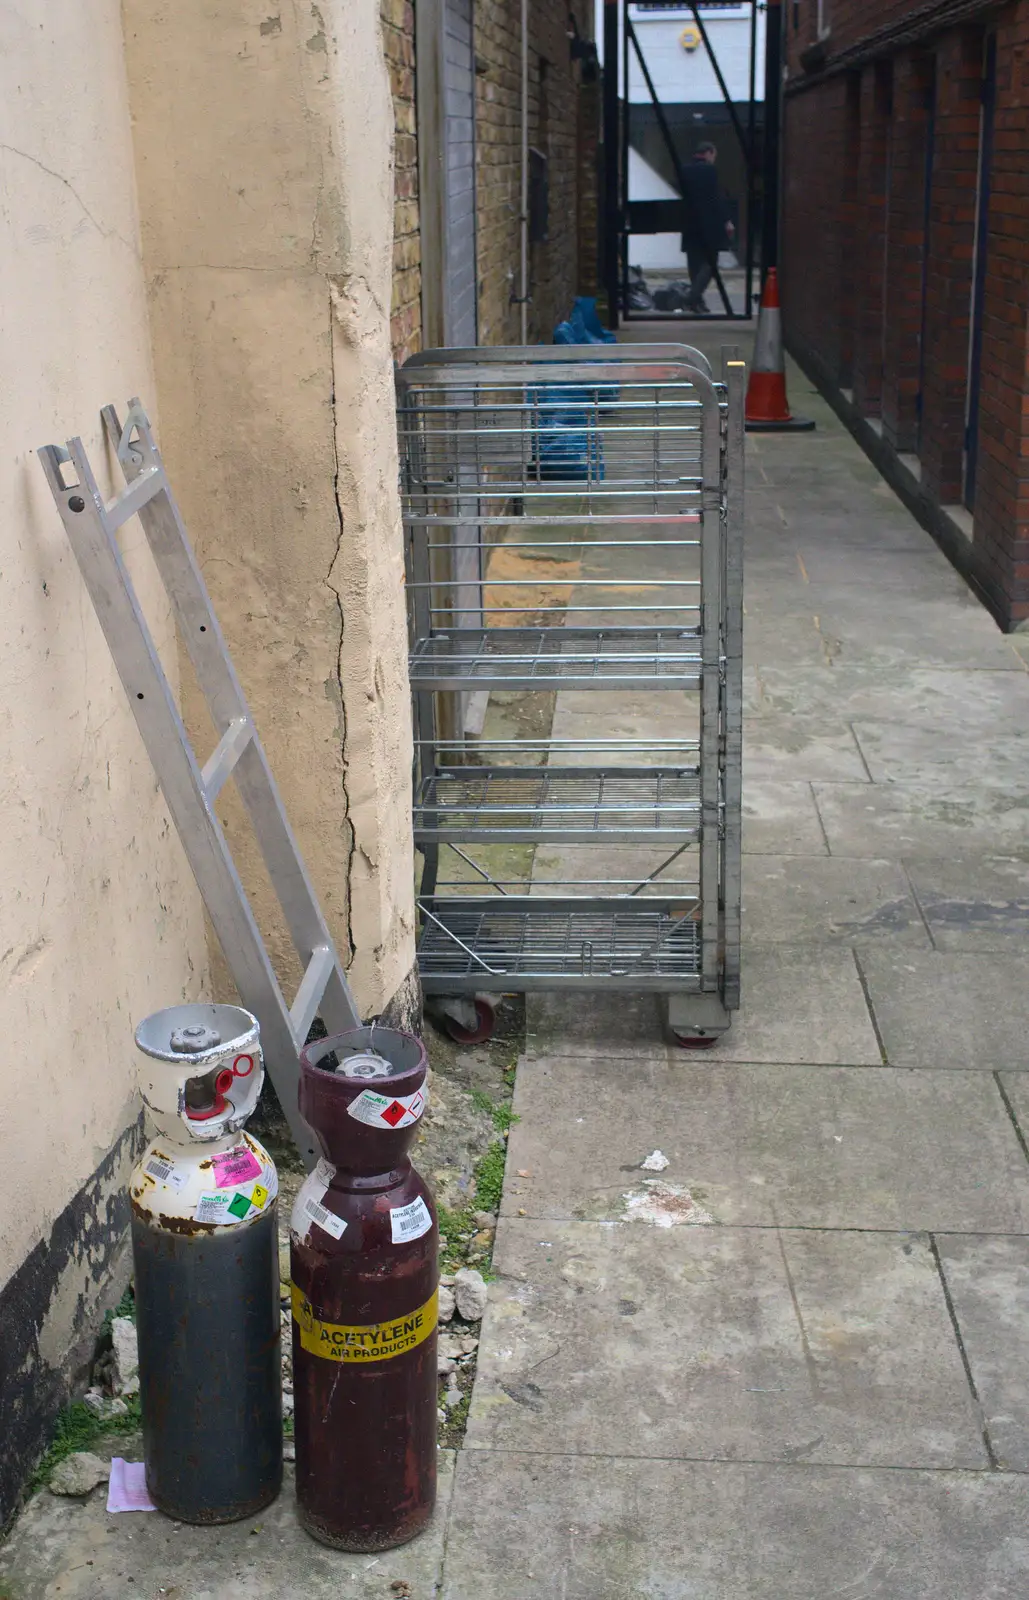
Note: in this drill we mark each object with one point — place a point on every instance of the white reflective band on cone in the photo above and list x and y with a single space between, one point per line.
768 343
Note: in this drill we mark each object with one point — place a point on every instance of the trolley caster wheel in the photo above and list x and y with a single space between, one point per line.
485 1022
695 1041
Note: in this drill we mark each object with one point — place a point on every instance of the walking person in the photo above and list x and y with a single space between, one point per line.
708 228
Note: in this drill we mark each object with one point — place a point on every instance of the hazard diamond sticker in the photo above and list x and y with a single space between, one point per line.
387 1111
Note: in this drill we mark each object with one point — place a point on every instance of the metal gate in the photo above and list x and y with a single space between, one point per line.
609 524
683 92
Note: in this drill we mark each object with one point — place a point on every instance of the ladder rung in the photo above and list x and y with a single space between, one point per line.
224 756
139 492
305 1007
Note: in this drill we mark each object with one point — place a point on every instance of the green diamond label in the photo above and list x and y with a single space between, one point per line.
239 1206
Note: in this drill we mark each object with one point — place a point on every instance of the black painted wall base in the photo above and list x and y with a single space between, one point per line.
87 1249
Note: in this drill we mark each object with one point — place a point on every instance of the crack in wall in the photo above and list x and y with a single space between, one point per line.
105 233
347 818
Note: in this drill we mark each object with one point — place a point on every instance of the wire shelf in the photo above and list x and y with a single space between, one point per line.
570 657
570 804
534 943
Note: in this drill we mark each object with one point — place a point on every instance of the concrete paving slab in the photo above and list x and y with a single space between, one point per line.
781 819
985 757
956 706
618 1023
800 749
924 572
945 1010
913 821
535 1527
75 1550
808 1147
795 900
718 1343
1016 1090
978 906
988 1281
847 523
802 1005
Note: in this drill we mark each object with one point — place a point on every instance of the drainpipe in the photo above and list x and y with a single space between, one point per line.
523 290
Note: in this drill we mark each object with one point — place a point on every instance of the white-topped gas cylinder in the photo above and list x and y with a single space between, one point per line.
205 1251
200 1080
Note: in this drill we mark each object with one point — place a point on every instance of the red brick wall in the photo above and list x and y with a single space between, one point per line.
873 156
913 93
872 26
855 253
1002 481
949 267
812 255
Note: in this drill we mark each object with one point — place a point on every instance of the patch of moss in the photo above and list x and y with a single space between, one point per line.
503 1117
78 1428
489 1176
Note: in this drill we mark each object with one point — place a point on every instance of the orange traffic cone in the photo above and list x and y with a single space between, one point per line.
768 410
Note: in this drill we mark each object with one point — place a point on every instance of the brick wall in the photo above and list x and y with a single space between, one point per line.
564 122
557 108
949 265
406 311
875 106
878 274
859 27
914 91
1002 482
816 304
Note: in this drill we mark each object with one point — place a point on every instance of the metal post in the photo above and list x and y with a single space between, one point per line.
773 103
611 211
752 158
732 710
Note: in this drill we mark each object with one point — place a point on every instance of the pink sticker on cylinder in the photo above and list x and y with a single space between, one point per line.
235 1166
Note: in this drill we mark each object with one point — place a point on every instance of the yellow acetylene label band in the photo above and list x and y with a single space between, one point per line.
369 1341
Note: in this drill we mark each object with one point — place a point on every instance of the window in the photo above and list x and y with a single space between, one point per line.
735 8
824 23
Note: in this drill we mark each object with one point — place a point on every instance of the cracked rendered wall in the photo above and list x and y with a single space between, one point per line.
263 136
99 917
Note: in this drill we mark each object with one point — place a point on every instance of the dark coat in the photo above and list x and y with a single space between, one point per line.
706 212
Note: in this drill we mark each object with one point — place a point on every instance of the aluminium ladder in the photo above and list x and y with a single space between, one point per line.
190 790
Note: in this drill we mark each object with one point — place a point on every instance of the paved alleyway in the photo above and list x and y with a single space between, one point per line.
817 1387
820 1388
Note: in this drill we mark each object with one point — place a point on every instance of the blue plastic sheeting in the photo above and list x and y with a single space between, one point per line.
566 444
585 311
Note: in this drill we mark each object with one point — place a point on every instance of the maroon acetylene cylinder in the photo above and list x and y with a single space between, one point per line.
363 1252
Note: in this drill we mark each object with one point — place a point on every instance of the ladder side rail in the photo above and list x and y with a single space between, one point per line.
167 744
200 630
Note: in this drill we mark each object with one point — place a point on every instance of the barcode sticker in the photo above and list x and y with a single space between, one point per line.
325 1219
165 1173
410 1222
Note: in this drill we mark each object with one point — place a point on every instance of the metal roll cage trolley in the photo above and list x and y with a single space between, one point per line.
573 524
